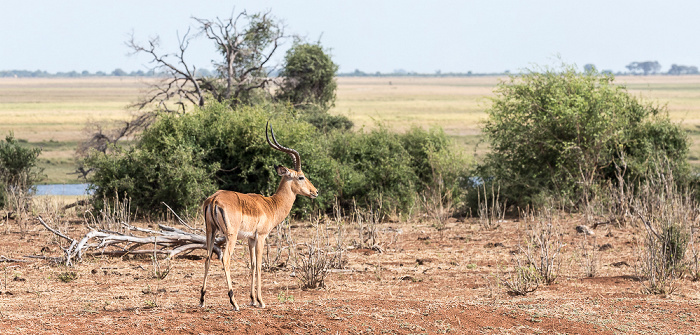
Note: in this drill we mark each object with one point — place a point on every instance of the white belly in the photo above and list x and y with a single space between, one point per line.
243 235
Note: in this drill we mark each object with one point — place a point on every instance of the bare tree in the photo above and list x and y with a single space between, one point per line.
179 80
246 43
246 54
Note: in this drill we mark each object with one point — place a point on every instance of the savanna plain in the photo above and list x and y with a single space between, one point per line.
402 276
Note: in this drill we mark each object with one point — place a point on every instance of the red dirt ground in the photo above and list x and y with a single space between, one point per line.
424 282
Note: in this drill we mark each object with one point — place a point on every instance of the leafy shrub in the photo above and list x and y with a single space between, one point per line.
182 159
309 76
324 121
18 168
439 164
558 132
375 170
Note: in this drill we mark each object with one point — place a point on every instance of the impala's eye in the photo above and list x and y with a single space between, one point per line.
301 178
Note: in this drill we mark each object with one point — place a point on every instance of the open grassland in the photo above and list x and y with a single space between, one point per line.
44 109
53 112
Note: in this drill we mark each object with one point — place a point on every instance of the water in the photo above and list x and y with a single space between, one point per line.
62 189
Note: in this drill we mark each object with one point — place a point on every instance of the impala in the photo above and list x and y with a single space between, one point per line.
251 217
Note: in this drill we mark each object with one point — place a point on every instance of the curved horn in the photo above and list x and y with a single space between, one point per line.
293 153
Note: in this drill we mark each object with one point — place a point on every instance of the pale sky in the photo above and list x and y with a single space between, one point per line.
369 35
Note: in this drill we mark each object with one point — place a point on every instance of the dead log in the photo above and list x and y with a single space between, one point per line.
167 241
77 203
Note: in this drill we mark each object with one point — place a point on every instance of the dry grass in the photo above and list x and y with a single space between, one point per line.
425 282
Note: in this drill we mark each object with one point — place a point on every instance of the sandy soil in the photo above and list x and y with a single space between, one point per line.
424 282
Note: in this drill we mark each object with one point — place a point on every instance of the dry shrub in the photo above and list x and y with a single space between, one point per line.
160 271
611 201
18 200
313 261
666 211
522 280
325 250
367 222
543 243
540 259
590 256
278 243
694 248
437 204
491 211
339 261
113 215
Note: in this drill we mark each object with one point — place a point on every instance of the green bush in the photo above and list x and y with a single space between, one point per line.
18 167
560 132
3 194
436 161
181 160
324 121
174 175
309 76
375 170
389 170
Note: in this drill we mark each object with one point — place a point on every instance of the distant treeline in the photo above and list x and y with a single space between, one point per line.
635 68
76 74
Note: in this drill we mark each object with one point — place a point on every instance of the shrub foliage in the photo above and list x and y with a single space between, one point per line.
18 168
561 132
180 160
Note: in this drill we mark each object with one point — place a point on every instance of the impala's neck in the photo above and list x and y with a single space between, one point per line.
283 200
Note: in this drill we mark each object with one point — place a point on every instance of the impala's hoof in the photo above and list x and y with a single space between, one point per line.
233 301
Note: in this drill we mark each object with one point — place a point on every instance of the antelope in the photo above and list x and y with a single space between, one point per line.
251 217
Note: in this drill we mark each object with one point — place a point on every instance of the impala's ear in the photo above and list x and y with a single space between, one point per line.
281 170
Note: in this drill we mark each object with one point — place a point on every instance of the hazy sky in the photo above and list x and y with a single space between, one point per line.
374 35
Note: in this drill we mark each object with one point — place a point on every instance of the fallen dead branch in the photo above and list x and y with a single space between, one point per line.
167 241
4 259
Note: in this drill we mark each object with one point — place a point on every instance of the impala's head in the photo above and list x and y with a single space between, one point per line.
299 183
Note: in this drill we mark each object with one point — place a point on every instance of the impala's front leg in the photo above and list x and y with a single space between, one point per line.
251 253
259 245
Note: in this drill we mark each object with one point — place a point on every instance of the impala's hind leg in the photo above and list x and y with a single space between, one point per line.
228 252
211 234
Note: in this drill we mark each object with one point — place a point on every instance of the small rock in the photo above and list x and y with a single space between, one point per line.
619 264
422 261
606 246
581 229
